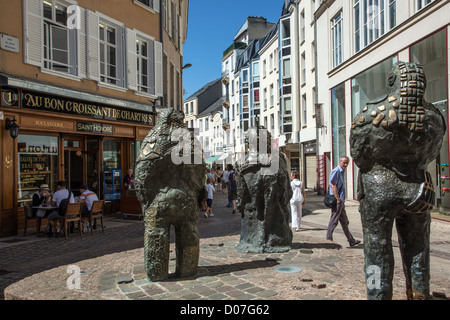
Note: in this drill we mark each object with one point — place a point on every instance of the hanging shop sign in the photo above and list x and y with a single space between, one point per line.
44 102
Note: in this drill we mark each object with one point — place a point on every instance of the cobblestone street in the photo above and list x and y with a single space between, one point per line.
112 266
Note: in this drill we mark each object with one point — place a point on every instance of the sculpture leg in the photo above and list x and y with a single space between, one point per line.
378 255
187 248
414 240
156 247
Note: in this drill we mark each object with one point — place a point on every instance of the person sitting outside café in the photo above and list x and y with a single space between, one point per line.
87 197
58 196
41 197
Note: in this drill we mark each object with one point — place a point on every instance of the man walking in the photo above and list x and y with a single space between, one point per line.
338 213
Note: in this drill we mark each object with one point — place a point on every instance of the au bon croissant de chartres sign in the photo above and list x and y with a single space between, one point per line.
44 102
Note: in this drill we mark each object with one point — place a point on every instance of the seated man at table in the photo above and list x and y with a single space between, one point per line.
88 197
58 196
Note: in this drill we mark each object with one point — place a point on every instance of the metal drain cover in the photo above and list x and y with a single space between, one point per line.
288 269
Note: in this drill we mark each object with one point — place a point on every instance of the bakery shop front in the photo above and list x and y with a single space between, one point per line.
78 137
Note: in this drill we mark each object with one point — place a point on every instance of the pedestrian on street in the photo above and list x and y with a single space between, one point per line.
298 199
338 213
219 178
209 200
232 187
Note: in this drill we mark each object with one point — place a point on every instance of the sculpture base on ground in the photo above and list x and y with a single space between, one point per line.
393 139
264 204
169 186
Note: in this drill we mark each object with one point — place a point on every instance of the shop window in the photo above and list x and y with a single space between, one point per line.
112 159
367 86
112 174
38 164
431 53
370 84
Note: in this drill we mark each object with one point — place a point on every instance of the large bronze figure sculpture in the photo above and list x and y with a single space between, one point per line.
169 193
392 141
264 194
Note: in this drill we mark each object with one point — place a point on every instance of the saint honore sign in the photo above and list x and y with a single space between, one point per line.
39 101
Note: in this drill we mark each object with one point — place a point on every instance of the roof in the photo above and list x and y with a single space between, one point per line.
254 47
215 106
202 89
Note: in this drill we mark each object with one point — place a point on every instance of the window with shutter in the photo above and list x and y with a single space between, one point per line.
111 45
60 50
158 69
33 35
154 4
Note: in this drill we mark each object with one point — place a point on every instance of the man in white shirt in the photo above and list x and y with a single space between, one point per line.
58 196
88 197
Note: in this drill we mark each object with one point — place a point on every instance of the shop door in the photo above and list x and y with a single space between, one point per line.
311 172
73 164
93 172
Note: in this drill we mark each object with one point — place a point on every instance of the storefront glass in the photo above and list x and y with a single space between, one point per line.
367 86
135 149
38 164
338 122
93 167
112 165
432 54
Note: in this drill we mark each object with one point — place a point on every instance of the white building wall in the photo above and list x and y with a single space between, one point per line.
411 27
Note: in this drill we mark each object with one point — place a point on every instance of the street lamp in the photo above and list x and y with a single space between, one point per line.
13 127
187 65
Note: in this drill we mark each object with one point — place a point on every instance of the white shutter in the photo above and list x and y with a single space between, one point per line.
156 5
158 69
82 45
93 61
131 59
33 37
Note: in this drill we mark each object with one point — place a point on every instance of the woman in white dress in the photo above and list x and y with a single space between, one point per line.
298 199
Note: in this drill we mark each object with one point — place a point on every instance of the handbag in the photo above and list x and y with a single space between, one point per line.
330 200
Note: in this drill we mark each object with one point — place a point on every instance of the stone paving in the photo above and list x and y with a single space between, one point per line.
314 269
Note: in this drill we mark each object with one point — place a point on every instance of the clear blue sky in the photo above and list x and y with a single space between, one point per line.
212 25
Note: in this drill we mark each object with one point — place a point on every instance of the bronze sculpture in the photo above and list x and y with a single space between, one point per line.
169 191
264 192
392 141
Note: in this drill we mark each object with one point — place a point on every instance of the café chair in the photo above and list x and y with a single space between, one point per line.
97 212
29 216
73 214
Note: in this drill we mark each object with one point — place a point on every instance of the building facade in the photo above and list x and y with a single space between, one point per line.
82 80
364 40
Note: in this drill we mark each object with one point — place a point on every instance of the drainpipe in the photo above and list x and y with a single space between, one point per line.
316 79
297 57
161 37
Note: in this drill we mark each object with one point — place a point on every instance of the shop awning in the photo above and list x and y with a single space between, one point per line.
212 159
223 157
